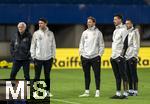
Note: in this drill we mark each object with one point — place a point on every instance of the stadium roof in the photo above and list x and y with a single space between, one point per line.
112 2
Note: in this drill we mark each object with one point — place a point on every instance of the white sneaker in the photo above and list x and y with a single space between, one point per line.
97 94
84 95
135 93
49 94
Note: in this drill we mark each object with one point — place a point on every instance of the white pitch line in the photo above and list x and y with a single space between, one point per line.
64 101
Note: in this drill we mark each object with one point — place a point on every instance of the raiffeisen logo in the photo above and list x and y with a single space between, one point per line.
24 91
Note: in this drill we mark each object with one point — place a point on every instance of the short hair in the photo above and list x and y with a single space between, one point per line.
43 20
119 16
92 18
22 23
129 20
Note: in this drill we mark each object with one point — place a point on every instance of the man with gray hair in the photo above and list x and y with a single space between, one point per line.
20 51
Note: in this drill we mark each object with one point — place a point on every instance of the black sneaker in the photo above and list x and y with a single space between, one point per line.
115 97
123 97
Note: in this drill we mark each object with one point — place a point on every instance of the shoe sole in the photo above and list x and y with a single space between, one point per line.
84 96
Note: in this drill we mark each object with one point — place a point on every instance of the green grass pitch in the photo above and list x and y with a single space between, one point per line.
67 85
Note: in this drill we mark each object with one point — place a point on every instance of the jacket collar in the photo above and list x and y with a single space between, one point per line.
23 35
119 26
131 29
92 28
44 30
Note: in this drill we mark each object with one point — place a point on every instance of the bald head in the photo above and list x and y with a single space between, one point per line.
21 27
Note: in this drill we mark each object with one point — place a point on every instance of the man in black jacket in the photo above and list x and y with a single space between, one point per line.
20 51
